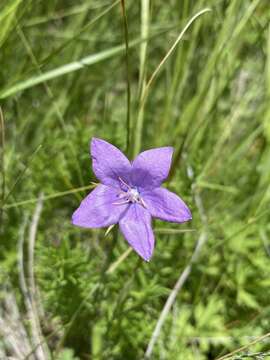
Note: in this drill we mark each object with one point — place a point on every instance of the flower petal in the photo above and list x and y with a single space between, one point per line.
150 168
165 205
98 208
135 225
109 163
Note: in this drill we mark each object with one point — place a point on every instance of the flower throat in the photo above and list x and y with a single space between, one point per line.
129 194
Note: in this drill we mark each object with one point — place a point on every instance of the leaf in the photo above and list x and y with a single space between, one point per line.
245 298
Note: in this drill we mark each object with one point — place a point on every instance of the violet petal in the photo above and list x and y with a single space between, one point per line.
165 205
150 168
135 225
109 163
98 208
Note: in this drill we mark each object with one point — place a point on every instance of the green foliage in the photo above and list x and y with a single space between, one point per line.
210 101
66 354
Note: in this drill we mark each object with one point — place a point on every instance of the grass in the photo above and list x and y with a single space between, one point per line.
70 72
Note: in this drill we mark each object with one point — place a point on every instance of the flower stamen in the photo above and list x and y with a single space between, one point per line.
124 183
131 195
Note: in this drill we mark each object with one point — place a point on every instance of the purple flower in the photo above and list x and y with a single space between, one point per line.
130 194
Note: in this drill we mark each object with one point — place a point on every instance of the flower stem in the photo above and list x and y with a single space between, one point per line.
146 88
128 125
2 127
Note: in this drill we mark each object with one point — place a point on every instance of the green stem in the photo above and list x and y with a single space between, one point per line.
125 24
145 93
2 124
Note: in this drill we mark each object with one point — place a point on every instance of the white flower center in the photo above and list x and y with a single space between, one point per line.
133 195
129 195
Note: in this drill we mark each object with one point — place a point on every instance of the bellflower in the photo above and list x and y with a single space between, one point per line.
130 194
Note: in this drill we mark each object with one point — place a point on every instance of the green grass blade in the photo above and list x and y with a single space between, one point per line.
66 69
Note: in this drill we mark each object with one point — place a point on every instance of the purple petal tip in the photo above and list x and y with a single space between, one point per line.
73 219
94 142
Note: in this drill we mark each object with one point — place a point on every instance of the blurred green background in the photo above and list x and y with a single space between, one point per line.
64 79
